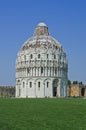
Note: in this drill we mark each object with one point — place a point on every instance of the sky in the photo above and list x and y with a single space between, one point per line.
66 21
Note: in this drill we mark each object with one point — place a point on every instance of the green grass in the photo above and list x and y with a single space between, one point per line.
42 114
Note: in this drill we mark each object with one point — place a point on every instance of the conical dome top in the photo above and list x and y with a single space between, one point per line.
42 24
41 29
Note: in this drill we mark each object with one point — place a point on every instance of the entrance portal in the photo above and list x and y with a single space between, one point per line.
55 84
82 91
54 91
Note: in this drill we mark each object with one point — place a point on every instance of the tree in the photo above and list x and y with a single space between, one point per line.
75 82
69 82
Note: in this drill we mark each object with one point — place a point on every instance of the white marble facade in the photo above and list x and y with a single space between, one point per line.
41 66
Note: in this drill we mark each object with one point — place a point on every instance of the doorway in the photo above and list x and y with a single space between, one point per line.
82 91
55 84
54 91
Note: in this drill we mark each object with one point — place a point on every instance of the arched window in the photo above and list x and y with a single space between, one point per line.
31 56
60 57
55 70
54 56
25 57
39 84
47 55
41 70
28 70
30 84
56 47
18 81
23 84
38 56
47 84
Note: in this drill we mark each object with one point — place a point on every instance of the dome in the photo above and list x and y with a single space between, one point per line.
41 37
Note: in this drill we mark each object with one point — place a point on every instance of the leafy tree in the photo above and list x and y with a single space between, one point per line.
69 82
75 82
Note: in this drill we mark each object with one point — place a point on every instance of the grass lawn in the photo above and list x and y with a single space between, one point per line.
42 114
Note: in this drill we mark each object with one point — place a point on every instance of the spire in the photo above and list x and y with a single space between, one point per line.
41 29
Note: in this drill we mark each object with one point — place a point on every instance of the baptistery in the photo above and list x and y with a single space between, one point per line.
41 66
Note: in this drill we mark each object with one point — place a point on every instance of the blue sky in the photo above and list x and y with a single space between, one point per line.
66 20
